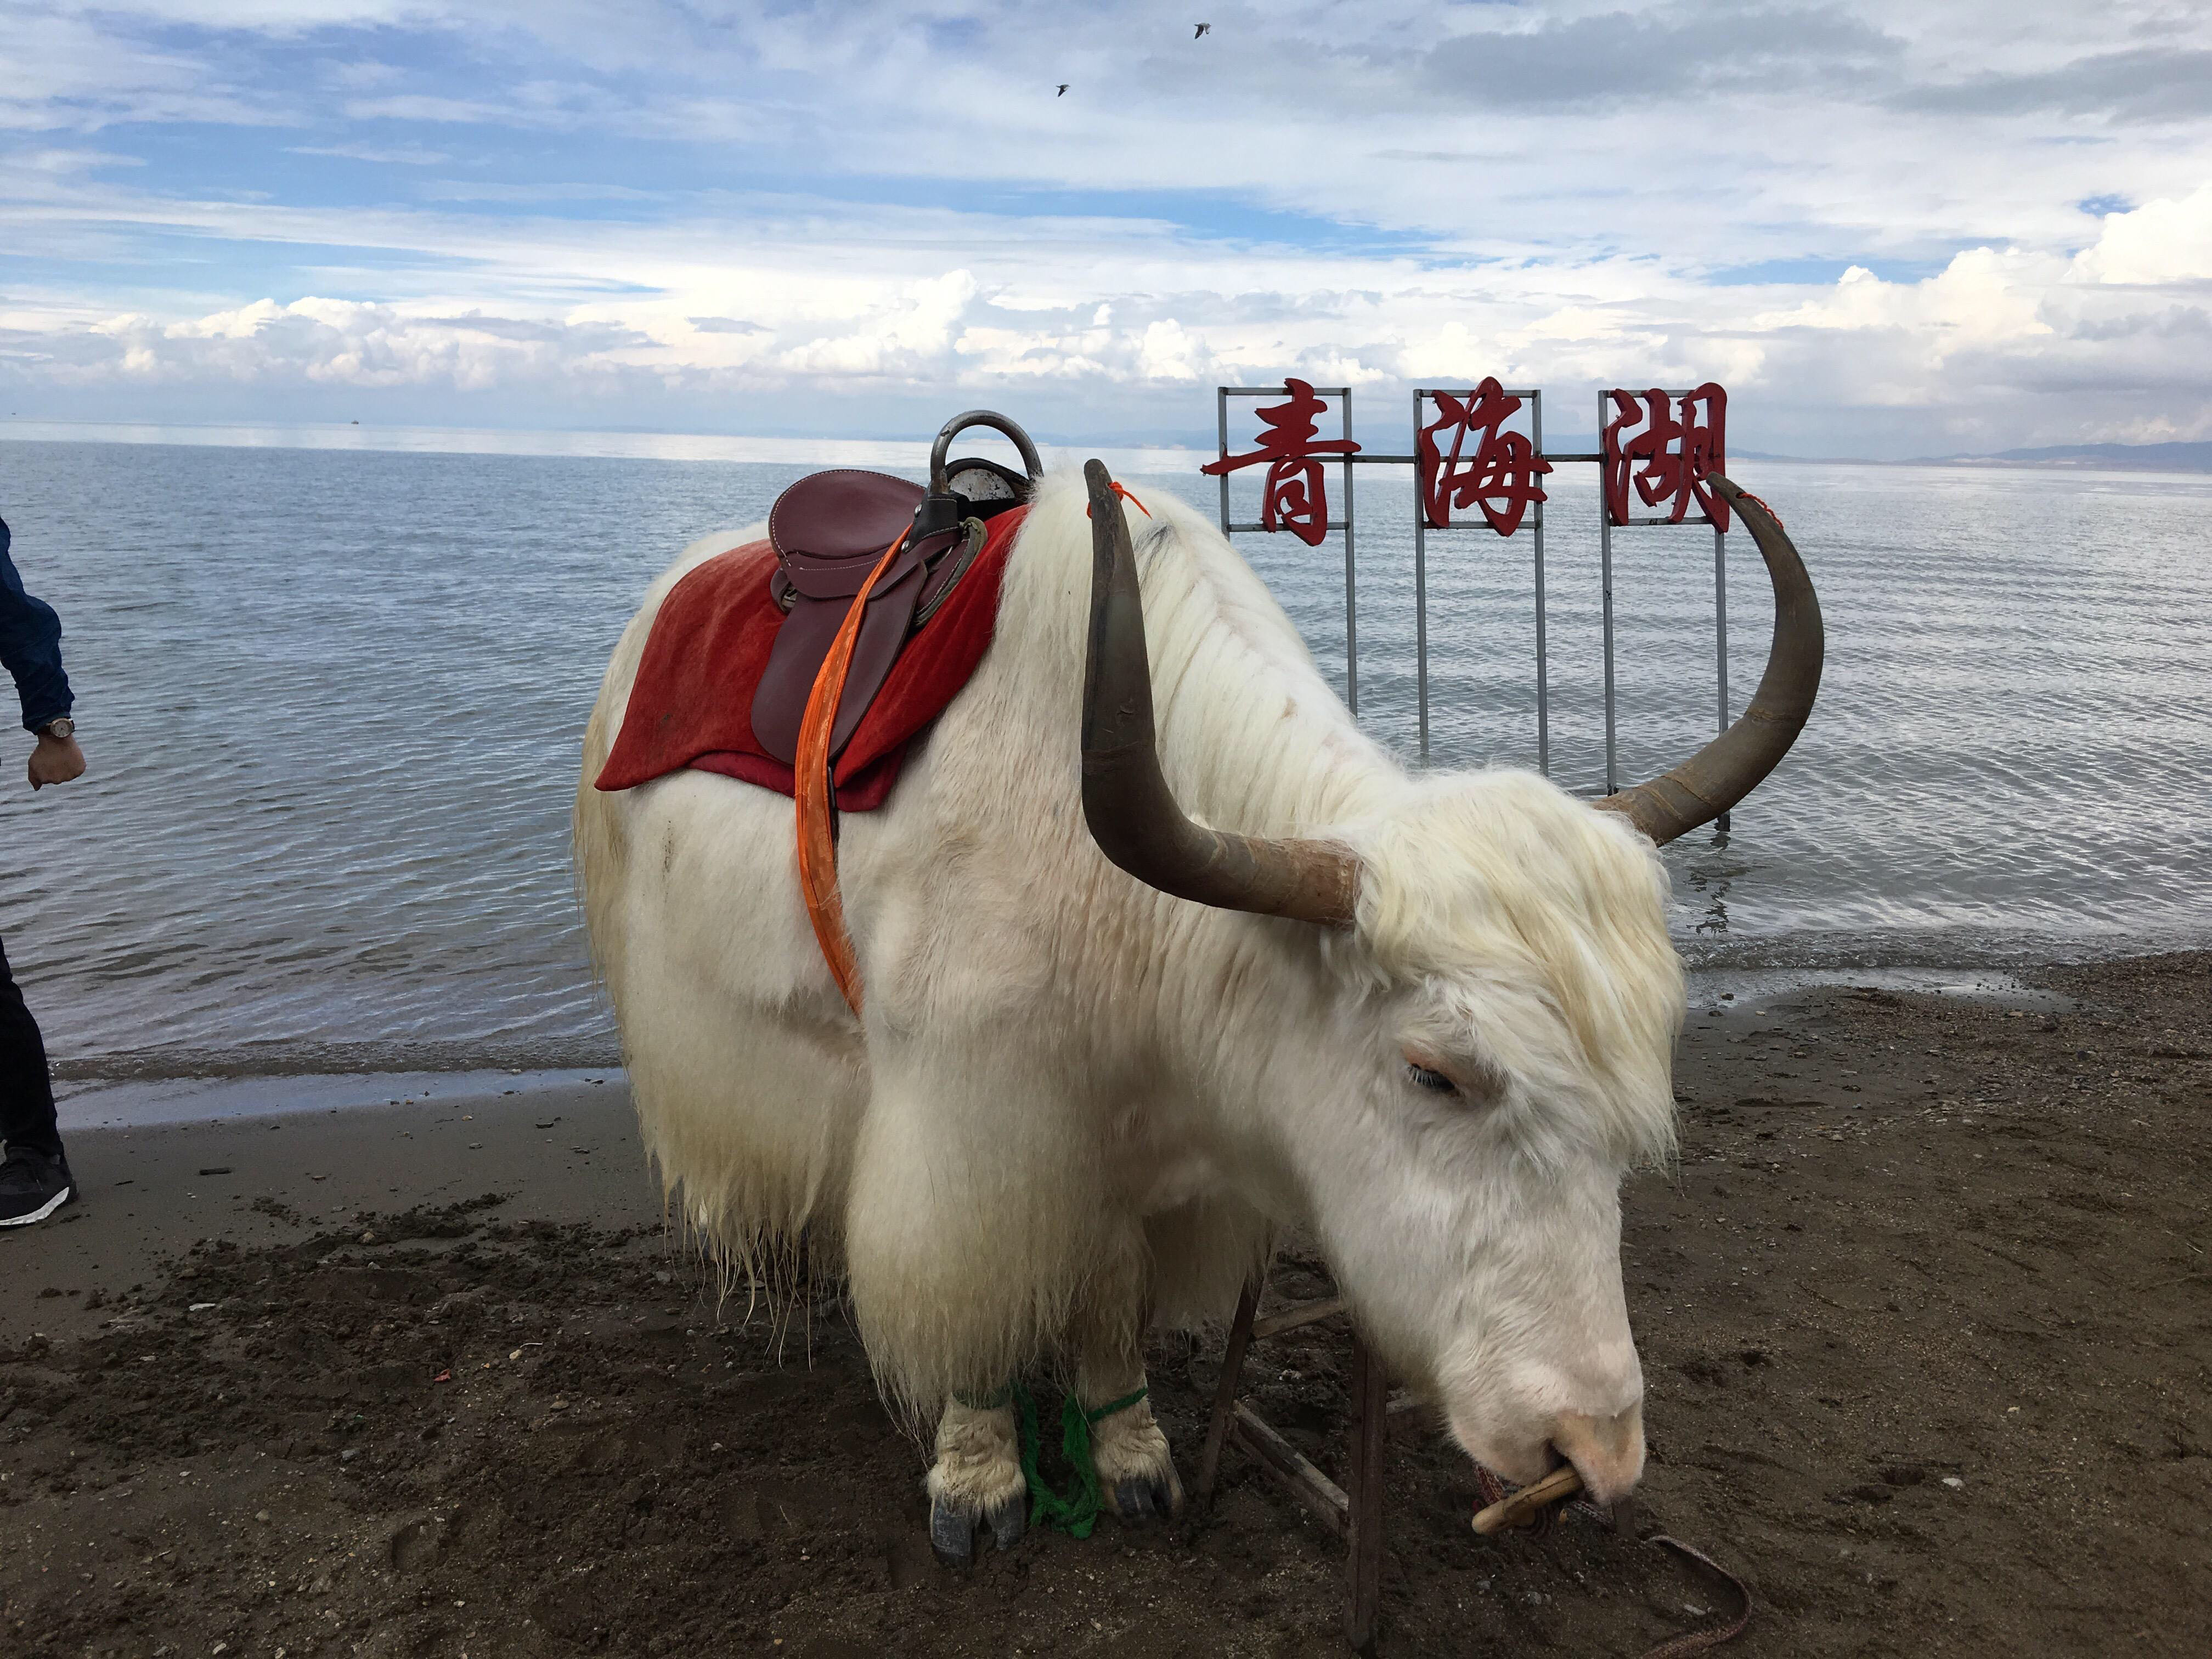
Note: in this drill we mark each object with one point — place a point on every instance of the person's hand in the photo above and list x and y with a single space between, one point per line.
56 760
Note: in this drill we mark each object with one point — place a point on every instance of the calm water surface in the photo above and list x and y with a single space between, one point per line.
333 699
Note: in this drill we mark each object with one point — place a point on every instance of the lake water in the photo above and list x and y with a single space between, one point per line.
332 696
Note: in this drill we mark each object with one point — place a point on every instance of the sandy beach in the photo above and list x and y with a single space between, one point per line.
1925 1313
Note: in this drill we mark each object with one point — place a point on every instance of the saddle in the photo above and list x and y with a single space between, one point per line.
829 530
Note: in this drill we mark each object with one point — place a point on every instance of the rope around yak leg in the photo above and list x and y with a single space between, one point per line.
1077 1513
1679 1647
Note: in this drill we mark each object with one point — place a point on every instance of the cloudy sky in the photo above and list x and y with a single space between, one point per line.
1890 226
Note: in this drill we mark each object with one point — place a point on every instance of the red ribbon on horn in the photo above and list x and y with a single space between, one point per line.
1129 496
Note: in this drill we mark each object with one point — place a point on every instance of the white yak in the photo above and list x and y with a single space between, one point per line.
1429 1017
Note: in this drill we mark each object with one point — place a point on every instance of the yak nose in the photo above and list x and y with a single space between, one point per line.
1609 1451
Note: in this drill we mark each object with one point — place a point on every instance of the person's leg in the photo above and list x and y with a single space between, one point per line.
26 1090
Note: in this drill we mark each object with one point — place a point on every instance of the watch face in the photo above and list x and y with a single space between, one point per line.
64 727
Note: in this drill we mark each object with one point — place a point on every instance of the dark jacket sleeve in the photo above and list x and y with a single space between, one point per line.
31 646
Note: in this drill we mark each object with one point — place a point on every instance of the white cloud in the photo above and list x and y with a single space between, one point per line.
405 155
58 163
1983 299
2159 242
1368 196
449 190
1996 336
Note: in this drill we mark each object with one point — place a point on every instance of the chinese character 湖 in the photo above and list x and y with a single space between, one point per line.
1679 448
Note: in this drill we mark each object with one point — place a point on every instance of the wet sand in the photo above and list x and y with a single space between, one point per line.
565 1155
1925 1308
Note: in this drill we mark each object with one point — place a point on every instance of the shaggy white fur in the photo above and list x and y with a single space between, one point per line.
1077 1104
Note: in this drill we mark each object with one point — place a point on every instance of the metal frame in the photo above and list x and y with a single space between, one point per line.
1605 528
1534 396
1222 394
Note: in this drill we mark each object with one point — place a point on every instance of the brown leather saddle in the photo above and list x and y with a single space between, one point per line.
829 530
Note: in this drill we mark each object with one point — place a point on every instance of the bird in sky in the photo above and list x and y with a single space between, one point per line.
1204 29
1062 92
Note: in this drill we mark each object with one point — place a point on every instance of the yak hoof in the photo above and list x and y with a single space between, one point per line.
952 1534
1009 1521
1139 1500
952 1530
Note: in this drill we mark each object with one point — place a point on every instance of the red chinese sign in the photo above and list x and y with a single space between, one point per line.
1681 444
1291 446
1499 478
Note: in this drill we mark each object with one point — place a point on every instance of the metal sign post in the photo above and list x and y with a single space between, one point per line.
1500 478
1677 451
1668 462
1294 499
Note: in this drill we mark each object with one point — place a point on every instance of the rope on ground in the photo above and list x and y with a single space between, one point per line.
1698 1641
1679 1647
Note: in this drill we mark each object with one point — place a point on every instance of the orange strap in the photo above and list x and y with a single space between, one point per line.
1130 496
1768 511
817 813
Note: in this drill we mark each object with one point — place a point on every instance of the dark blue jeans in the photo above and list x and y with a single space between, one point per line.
26 1091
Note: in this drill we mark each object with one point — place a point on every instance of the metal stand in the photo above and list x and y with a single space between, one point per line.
1605 589
1534 399
1350 587
1605 529
1343 393
1605 593
1355 1514
1720 632
1543 669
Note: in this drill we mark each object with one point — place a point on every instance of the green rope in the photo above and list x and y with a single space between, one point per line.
1076 1513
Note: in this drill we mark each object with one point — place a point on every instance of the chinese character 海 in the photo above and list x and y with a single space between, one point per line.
1500 477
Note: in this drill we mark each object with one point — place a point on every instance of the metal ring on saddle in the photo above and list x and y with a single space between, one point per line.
943 508
939 481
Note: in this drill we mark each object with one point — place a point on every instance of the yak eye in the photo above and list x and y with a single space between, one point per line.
1435 1082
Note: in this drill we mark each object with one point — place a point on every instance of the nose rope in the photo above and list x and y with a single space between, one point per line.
1700 1641
1681 1647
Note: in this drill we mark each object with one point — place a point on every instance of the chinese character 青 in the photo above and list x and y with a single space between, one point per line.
1289 443
1678 446
1500 477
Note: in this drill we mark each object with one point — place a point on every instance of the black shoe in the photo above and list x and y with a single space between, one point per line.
32 1186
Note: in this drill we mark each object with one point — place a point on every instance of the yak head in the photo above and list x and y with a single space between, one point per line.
1489 1046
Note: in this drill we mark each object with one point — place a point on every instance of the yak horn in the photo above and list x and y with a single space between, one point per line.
1126 801
1730 767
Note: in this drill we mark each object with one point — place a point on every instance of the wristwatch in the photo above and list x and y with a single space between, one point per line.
61 727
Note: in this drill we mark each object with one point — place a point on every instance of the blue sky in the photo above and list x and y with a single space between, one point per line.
1889 229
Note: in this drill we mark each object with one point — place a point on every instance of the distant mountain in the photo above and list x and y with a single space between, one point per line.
2146 458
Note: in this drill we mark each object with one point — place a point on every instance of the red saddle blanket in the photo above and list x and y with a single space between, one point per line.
692 704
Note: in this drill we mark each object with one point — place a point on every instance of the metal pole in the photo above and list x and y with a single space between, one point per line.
1605 579
1420 585
1543 688
1221 409
1720 630
1351 597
